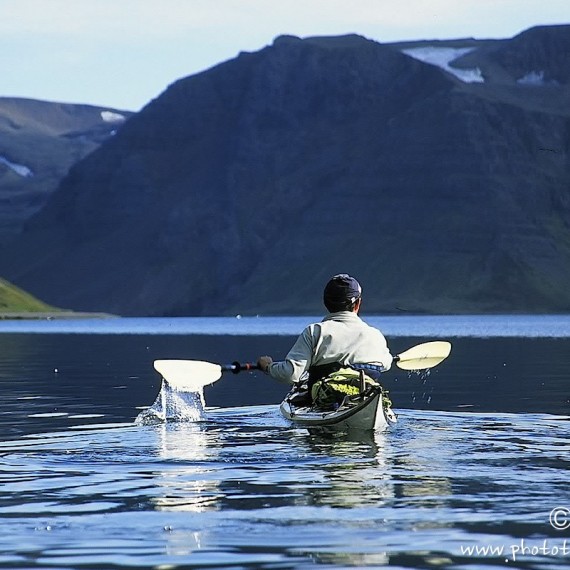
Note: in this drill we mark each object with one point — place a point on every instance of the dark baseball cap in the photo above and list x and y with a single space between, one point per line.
342 290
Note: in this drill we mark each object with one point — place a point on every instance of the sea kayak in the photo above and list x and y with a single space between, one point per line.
366 409
369 410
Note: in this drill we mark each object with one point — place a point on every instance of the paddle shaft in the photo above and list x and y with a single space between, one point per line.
237 367
420 357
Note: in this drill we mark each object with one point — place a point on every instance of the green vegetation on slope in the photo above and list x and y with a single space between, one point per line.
14 300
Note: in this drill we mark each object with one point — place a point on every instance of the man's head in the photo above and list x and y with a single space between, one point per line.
342 293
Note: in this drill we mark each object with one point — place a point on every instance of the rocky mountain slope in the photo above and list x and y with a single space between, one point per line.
39 142
439 178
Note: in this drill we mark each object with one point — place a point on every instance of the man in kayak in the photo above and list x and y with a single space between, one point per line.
341 337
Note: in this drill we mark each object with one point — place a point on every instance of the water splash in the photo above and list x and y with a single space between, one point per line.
423 375
172 405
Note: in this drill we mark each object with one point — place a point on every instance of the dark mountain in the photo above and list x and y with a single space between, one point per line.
243 188
537 55
39 142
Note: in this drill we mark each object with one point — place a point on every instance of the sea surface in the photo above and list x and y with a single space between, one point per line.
474 475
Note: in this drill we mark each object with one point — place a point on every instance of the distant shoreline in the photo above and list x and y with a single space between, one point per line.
54 315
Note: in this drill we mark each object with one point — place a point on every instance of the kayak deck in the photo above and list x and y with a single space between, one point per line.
367 411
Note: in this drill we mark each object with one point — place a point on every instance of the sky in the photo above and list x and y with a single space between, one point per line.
124 53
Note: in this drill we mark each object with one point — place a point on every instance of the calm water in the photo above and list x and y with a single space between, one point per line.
467 479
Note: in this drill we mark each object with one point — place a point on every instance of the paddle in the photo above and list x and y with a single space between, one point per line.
193 375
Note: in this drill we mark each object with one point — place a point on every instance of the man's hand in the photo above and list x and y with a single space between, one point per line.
264 362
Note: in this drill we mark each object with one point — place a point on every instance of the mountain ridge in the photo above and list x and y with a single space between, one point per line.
39 142
241 189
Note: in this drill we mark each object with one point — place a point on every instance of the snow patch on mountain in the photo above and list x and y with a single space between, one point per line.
442 57
112 117
19 169
535 78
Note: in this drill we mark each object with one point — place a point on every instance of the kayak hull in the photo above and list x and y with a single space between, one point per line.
367 412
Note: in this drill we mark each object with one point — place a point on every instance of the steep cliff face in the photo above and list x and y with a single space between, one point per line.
243 188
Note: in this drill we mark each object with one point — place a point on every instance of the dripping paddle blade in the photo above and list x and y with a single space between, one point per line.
188 375
423 356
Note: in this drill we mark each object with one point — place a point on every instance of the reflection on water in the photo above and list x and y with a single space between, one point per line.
185 448
83 485
244 487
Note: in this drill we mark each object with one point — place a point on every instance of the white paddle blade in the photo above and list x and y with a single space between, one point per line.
188 375
423 356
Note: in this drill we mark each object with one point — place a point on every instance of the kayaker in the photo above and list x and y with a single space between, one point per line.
341 337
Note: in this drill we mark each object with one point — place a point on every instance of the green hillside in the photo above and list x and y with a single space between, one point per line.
14 300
